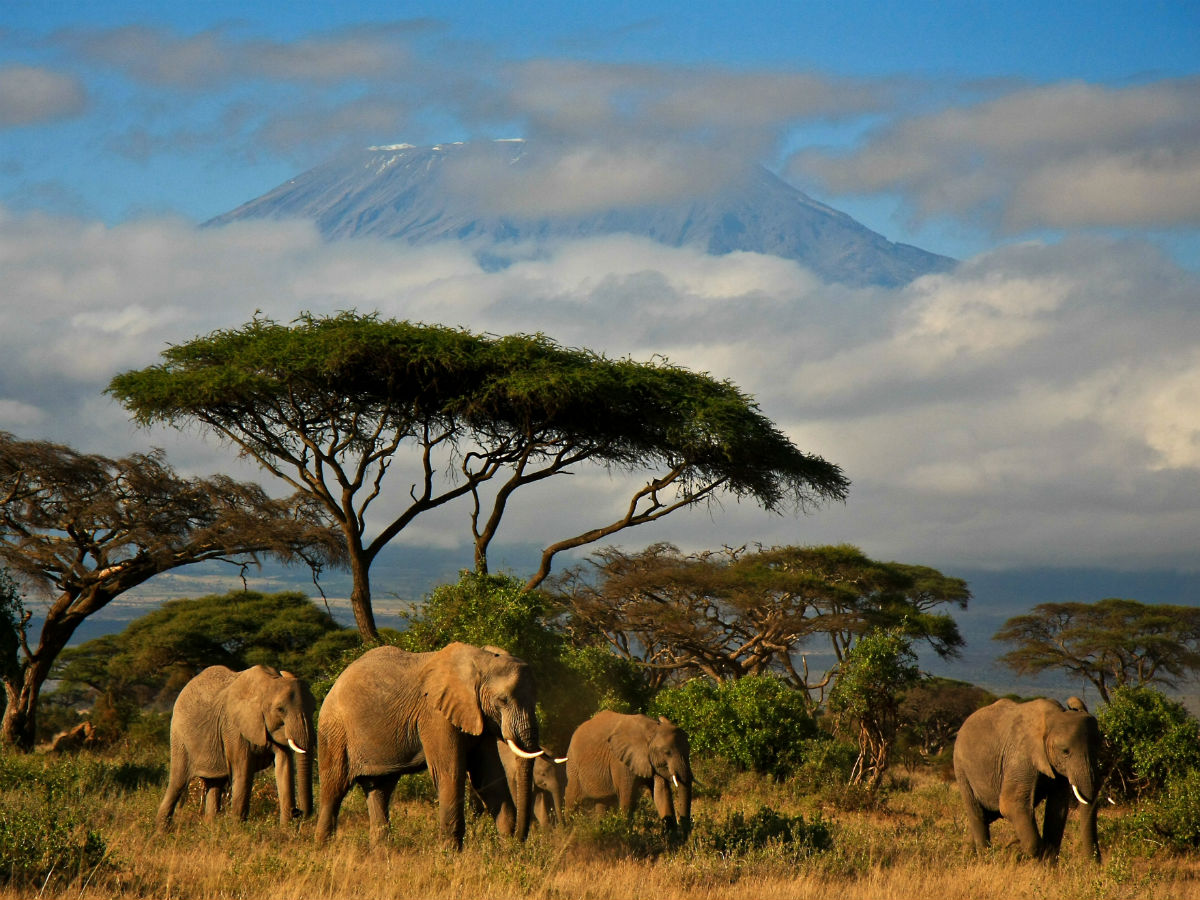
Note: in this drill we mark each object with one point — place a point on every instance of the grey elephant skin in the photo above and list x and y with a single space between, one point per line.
613 756
1009 757
549 783
392 712
228 725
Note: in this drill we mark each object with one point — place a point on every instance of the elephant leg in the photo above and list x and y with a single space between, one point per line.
335 784
1054 824
663 801
449 779
214 793
285 786
1019 813
239 803
176 785
976 818
378 791
491 785
543 809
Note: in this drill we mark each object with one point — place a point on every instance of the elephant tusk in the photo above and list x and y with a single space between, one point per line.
674 781
1079 796
292 744
512 745
560 759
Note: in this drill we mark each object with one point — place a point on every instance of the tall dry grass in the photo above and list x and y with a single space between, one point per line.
911 845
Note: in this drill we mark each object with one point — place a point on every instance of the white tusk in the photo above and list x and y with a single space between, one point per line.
1079 796
674 781
560 759
521 753
292 744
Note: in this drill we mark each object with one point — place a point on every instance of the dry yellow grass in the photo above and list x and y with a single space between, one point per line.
914 846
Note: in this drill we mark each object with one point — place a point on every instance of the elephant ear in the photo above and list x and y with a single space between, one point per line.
452 686
630 743
244 700
1039 734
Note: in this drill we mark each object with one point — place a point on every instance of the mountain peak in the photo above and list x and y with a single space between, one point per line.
481 191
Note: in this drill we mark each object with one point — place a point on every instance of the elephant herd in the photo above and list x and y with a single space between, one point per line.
467 714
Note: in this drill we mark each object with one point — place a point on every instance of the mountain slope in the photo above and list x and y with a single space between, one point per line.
403 192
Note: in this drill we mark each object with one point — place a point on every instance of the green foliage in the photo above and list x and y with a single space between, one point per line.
873 674
46 837
496 610
1151 740
157 653
739 835
757 723
1172 816
12 625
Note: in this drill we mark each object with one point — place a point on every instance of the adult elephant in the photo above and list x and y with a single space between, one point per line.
549 785
1009 757
392 712
613 756
228 725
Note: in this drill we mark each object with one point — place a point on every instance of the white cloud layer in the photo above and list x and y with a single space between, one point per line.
1062 155
1039 405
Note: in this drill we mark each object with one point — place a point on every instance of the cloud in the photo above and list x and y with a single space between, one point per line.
1060 155
1038 405
33 94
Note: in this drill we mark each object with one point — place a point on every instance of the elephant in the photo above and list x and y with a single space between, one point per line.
1010 756
549 783
228 725
613 756
392 712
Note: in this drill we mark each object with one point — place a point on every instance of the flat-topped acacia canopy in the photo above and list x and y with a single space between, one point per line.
325 402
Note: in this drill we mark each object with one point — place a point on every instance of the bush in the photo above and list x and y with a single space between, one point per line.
44 837
1151 740
738 835
757 723
1173 815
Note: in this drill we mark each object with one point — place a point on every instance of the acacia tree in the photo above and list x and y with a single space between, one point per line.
327 403
1111 643
732 613
84 529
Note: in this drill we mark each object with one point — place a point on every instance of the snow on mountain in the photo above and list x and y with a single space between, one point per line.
415 194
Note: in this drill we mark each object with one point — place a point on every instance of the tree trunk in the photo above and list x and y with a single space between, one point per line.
360 597
19 727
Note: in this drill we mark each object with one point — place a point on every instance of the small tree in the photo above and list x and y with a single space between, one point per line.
327 404
85 528
865 701
733 613
1111 643
932 710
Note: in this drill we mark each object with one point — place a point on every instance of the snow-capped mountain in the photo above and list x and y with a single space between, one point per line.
407 193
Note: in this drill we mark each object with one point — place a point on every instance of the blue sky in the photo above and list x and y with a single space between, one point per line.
1040 405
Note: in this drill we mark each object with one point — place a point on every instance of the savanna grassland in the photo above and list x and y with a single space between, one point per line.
83 827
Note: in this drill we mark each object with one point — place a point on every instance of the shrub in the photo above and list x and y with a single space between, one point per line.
757 723
1151 740
739 835
1172 816
44 836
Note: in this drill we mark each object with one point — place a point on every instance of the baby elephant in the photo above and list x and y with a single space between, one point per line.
614 756
227 725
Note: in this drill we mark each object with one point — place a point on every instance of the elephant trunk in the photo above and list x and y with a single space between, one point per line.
304 783
1083 784
300 740
520 728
